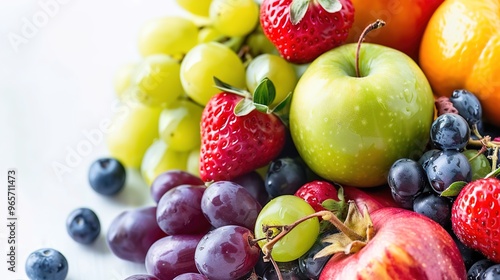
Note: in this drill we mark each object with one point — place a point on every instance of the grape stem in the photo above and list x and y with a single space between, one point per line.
375 25
485 142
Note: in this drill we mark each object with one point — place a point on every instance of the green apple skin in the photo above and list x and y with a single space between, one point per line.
350 129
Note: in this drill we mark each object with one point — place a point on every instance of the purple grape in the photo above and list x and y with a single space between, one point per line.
170 179
434 206
179 211
226 253
132 232
142 277
406 179
467 105
172 256
446 168
227 203
255 185
450 132
191 276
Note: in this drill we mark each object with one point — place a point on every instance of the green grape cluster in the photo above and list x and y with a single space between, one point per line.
157 127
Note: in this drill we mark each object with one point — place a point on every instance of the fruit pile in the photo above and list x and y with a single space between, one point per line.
275 148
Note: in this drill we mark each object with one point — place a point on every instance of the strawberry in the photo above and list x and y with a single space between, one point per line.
302 30
475 217
236 138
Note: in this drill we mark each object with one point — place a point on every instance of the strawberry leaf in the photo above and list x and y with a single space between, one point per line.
298 10
454 189
265 92
283 103
244 107
331 6
229 88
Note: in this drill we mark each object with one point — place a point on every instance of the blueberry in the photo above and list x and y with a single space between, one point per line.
285 176
107 176
83 225
450 132
406 179
492 273
477 270
46 264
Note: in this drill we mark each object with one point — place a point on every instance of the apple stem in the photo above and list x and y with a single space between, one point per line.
375 25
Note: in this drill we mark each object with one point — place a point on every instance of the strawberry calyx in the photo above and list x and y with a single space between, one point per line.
298 8
338 207
263 95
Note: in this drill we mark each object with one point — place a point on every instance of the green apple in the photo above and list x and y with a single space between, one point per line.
350 129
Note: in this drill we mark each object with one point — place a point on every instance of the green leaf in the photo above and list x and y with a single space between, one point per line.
454 189
229 88
262 108
265 92
244 107
331 6
283 103
298 9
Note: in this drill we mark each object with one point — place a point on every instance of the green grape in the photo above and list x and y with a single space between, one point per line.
260 44
196 7
156 80
132 130
122 80
234 17
193 162
171 35
277 69
480 166
180 125
159 158
284 210
206 61
208 34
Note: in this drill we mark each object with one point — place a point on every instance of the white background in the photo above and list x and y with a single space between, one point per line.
56 87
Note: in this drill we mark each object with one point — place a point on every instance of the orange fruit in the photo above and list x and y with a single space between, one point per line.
405 22
460 49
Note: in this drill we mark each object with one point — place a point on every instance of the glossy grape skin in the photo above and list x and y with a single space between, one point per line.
406 179
170 179
450 132
480 166
308 265
448 167
467 105
478 269
160 157
227 203
83 225
234 18
276 69
492 273
171 35
424 159
254 184
208 60
179 125
226 253
191 276
132 232
46 263
284 210
142 277
179 211
289 271
133 129
285 176
107 176
434 206
172 256
156 81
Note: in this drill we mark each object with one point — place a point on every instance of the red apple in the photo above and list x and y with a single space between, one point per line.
405 22
373 199
406 245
